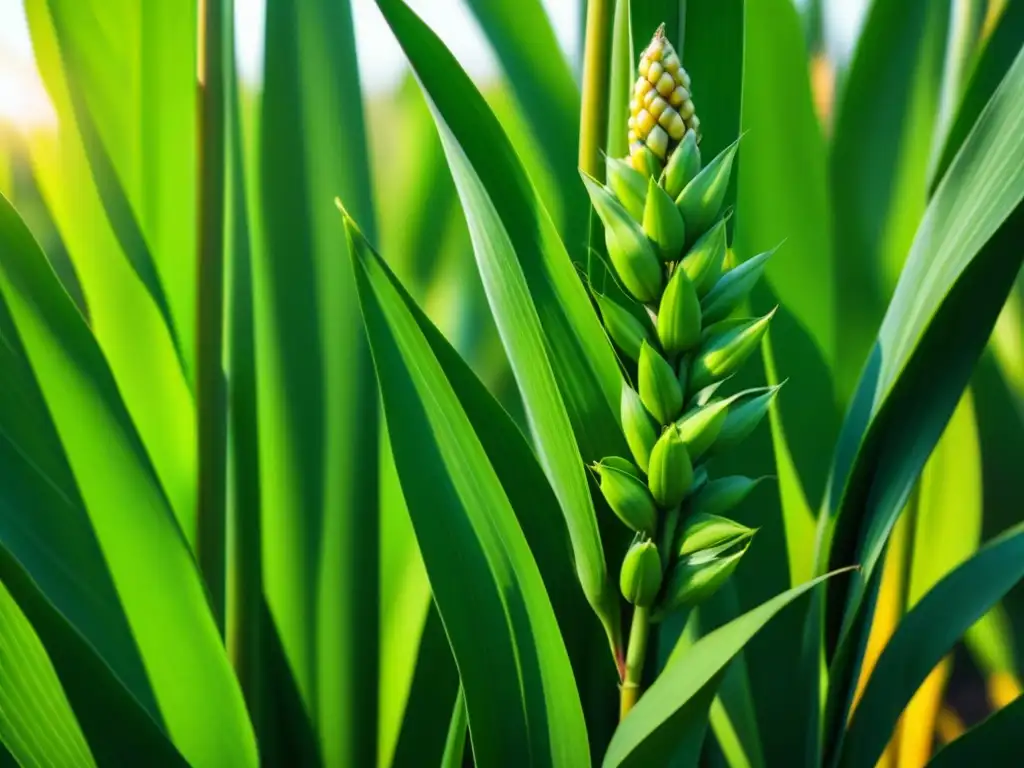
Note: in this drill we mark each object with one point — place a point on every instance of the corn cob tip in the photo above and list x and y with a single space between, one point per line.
661 109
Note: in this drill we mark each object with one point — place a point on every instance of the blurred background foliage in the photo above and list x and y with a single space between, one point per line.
847 110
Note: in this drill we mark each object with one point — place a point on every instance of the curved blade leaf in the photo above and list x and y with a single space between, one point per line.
990 67
878 165
520 694
959 271
994 741
315 394
194 688
560 356
36 721
675 708
926 634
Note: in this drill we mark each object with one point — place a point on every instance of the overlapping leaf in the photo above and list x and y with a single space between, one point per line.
521 699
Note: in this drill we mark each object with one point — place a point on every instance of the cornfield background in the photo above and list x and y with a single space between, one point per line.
221 517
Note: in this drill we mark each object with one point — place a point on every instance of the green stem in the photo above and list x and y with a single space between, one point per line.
596 66
211 411
636 652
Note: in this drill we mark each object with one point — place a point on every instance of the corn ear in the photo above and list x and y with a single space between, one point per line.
663 223
628 498
722 353
701 200
628 185
623 327
631 253
703 262
671 472
637 426
659 388
679 315
661 110
640 577
733 287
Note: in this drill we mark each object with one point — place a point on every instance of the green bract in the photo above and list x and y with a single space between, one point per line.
623 327
637 426
659 386
640 577
679 315
703 262
663 223
700 202
628 498
631 253
670 472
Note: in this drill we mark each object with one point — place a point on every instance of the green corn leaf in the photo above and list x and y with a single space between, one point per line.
524 40
674 710
517 704
118 729
878 167
455 744
923 637
713 34
36 721
560 356
127 321
317 405
187 680
990 66
993 741
125 75
620 84
963 255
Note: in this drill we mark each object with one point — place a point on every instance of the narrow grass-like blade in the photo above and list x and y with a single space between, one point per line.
990 65
36 721
123 315
957 275
878 166
994 741
455 744
946 530
521 699
923 637
119 730
562 361
524 40
130 73
128 512
675 708
317 404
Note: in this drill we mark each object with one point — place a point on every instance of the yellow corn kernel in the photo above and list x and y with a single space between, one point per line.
687 109
671 63
655 71
644 64
666 84
649 98
634 105
631 123
684 78
643 85
657 107
644 122
631 136
657 141
679 95
656 49
695 124
673 123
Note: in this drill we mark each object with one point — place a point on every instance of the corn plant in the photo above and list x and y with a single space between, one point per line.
642 536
